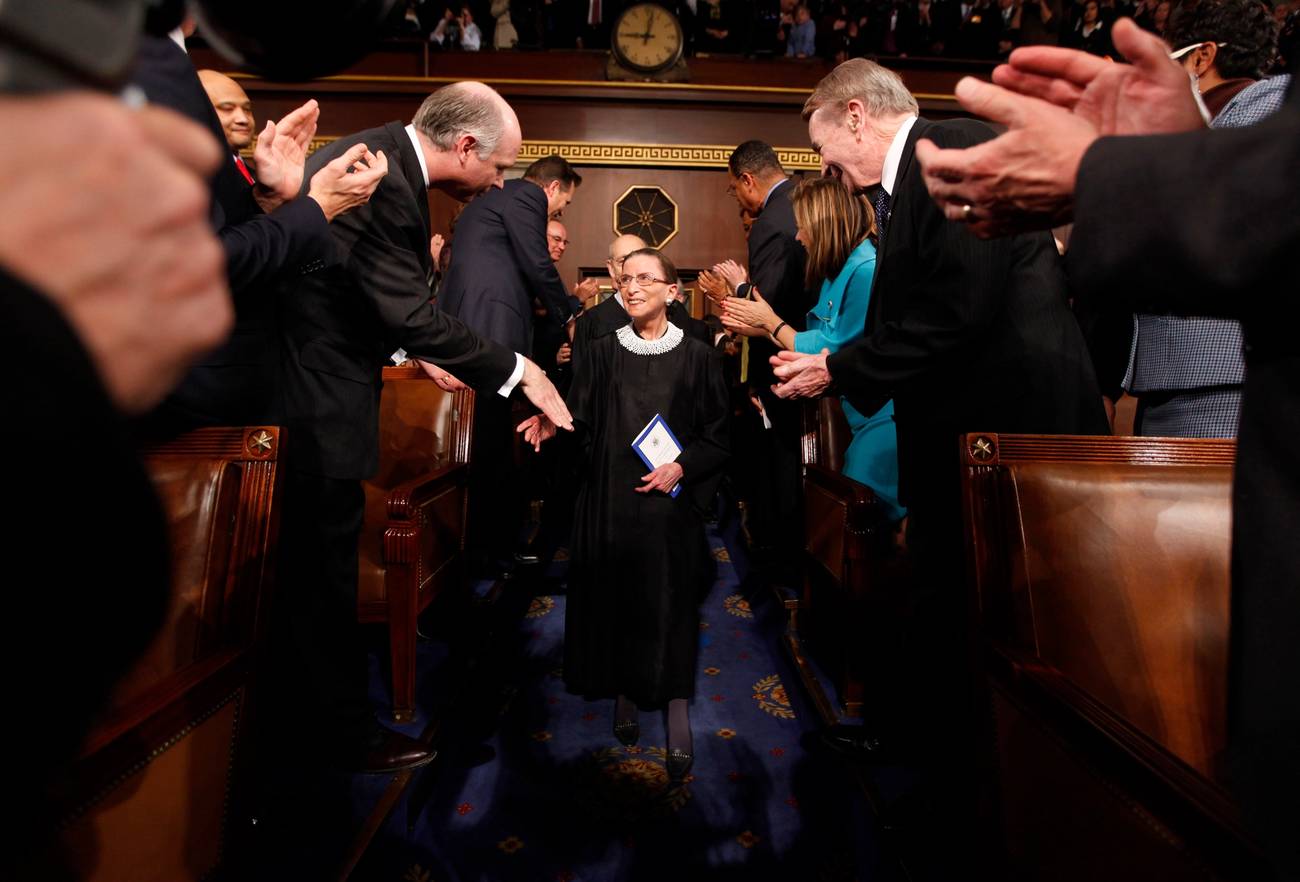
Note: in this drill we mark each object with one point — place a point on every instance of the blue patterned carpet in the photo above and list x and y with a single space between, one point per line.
532 785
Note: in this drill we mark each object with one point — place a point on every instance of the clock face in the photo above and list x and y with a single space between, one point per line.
647 37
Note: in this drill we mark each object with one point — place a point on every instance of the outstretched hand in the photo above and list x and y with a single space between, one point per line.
541 392
536 429
445 381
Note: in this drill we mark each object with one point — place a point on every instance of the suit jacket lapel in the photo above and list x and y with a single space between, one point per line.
410 165
904 164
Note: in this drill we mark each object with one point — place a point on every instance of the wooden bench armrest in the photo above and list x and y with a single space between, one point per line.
404 499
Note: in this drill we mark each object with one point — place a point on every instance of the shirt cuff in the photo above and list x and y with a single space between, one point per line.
515 376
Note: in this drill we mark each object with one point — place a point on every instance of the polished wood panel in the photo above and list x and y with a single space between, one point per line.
1100 569
162 775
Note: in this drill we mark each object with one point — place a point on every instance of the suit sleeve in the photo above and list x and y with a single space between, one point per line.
1211 231
268 245
769 257
392 278
952 301
525 223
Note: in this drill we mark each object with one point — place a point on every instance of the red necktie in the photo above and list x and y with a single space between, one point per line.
595 12
243 170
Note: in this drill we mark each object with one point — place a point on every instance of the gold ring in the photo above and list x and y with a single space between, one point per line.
966 211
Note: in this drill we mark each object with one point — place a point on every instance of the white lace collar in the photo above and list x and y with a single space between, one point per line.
632 342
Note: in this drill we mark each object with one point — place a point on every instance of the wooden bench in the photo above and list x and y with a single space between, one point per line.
1101 571
412 542
161 776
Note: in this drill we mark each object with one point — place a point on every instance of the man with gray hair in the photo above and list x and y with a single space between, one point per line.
341 321
964 335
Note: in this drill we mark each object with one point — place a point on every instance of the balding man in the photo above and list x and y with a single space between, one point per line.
608 315
557 240
234 109
340 323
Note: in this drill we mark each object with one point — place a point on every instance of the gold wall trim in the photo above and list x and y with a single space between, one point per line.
657 155
632 155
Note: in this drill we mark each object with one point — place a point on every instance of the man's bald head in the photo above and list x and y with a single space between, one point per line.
475 124
557 239
619 249
233 108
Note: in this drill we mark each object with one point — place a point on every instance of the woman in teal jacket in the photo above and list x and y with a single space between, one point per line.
835 228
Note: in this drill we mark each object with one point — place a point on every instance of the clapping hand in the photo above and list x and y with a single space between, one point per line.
348 181
1025 178
435 247
801 376
663 479
586 289
281 153
732 273
713 286
752 318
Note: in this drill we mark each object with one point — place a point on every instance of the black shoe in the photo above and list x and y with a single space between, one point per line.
858 743
627 732
678 763
386 751
525 559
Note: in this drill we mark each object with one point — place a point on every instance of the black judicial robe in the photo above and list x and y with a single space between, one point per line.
641 562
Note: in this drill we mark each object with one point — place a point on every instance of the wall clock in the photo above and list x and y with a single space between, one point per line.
646 44
647 212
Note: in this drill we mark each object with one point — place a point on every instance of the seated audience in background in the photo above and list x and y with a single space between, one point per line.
976 32
802 41
1091 33
1040 21
458 31
921 29
504 35
1224 45
1009 17
835 227
717 26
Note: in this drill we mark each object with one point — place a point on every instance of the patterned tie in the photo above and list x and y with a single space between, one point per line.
881 204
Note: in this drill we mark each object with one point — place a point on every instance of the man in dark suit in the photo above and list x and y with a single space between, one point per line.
501 263
1211 231
267 234
964 335
776 269
340 324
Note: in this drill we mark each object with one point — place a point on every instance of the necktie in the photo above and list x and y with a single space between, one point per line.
881 204
595 12
243 170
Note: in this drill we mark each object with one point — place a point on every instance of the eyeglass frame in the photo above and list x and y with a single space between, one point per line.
625 280
559 240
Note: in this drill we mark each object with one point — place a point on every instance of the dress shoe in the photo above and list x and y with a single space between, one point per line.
627 732
387 751
858 743
525 559
678 763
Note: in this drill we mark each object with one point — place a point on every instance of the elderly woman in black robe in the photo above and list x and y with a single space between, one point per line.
640 561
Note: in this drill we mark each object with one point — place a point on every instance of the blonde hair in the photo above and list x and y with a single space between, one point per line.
880 90
834 222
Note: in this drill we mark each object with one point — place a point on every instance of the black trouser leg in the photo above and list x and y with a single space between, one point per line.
494 508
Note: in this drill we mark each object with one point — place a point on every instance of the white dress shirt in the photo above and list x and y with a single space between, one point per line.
893 156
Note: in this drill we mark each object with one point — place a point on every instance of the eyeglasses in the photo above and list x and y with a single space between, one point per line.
558 240
641 279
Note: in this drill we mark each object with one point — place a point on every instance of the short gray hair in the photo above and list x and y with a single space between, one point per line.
880 90
460 109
